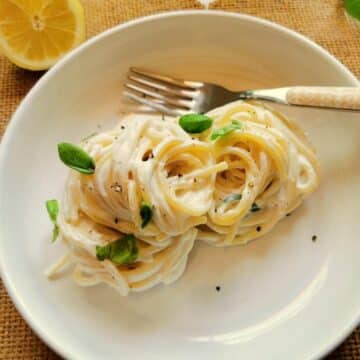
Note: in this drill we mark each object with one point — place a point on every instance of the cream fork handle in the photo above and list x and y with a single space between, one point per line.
328 97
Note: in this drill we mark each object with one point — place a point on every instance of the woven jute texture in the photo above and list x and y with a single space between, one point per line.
322 20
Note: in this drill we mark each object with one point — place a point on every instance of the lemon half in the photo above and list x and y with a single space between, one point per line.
34 34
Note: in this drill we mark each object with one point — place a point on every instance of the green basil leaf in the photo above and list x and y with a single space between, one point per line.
353 8
103 252
195 123
124 251
146 213
232 197
255 208
55 232
52 207
76 158
121 251
219 133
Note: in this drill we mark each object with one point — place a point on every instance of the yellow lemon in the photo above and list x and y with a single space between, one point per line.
34 34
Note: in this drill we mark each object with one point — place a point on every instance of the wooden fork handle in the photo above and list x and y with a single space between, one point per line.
328 97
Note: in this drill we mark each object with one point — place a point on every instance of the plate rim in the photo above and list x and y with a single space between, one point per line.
49 339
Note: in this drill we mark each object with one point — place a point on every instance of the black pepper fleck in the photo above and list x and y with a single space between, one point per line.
122 127
314 237
116 220
218 288
258 228
288 214
148 155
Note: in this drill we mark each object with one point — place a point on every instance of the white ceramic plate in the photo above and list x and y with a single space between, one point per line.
282 296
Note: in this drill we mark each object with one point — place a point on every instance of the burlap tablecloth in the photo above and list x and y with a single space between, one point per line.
322 20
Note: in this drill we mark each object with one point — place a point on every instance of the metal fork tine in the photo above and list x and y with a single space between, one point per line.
155 105
166 99
168 80
166 88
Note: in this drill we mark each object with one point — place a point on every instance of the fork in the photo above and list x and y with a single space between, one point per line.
176 97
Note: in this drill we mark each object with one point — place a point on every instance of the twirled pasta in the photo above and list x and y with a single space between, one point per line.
271 165
265 167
